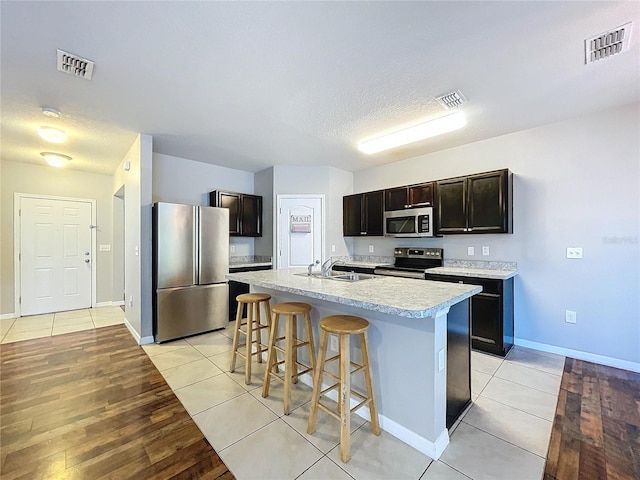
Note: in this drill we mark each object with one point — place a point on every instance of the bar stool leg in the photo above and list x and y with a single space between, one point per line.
272 356
375 425
312 353
317 382
288 362
257 333
236 335
294 364
266 306
344 400
248 345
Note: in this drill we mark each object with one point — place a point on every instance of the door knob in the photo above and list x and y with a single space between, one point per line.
87 260
86 253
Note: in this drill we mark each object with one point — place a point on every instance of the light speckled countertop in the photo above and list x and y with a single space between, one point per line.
390 295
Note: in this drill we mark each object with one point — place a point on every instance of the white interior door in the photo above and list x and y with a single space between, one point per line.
55 255
300 230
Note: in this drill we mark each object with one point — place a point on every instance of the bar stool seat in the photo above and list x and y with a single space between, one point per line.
344 326
291 310
252 332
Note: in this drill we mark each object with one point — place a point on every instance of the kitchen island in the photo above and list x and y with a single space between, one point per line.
407 341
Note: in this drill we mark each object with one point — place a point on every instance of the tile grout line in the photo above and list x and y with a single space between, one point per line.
507 441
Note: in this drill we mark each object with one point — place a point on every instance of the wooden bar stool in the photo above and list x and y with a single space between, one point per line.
253 330
344 326
290 351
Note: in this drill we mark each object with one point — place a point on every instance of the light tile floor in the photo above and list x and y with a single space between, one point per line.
503 435
38 326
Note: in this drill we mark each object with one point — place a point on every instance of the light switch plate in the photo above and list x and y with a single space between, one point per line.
471 251
485 250
232 248
370 248
105 248
570 316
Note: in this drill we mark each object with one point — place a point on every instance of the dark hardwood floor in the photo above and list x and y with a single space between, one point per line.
596 432
91 405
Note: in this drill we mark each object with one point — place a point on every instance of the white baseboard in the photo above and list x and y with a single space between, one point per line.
402 433
139 340
580 355
7 316
109 304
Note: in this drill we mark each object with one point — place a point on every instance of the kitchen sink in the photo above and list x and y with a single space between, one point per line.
340 276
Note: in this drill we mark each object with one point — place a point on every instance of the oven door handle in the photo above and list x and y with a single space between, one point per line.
399 273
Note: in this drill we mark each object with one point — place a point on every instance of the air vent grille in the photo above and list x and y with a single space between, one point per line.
607 44
75 65
451 100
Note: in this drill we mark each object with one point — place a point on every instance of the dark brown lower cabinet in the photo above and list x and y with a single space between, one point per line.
237 288
491 312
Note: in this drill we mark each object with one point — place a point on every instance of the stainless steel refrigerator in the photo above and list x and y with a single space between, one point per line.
190 261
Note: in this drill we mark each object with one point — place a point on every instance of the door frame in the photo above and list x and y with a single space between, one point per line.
17 239
288 196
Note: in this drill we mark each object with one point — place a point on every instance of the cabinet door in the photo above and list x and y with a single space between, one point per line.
421 195
373 213
251 216
396 199
232 202
487 207
452 205
352 215
486 322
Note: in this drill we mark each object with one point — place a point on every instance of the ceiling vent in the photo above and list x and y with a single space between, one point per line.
75 65
607 44
451 100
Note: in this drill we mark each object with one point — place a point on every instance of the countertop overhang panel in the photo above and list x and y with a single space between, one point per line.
390 295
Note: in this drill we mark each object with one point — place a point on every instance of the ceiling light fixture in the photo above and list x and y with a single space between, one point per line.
51 112
53 135
55 159
413 134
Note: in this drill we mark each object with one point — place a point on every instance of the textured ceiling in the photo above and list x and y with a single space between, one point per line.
249 85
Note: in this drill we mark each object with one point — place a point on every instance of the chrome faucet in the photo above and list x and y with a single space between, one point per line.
310 267
327 266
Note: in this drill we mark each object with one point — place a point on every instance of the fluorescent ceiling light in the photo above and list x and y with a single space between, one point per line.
53 135
55 159
429 129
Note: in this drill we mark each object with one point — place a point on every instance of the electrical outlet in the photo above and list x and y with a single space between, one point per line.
471 251
485 250
570 316
131 301
333 249
232 248
574 252
370 248
333 343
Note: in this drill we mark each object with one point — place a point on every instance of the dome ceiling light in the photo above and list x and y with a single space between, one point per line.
55 159
51 134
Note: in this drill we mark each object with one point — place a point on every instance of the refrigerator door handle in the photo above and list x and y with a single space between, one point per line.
196 245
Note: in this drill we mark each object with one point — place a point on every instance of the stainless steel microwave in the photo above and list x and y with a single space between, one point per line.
413 222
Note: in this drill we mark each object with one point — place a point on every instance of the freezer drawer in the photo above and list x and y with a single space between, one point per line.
180 312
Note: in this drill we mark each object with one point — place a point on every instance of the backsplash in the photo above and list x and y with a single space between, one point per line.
481 265
249 259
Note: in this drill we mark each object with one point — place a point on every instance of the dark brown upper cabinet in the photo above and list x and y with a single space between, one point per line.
411 196
362 214
480 203
245 212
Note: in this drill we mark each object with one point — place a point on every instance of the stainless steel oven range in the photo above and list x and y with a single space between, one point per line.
412 262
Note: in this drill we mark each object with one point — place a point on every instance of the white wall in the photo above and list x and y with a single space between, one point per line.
19 177
333 183
576 183
179 180
263 186
137 237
